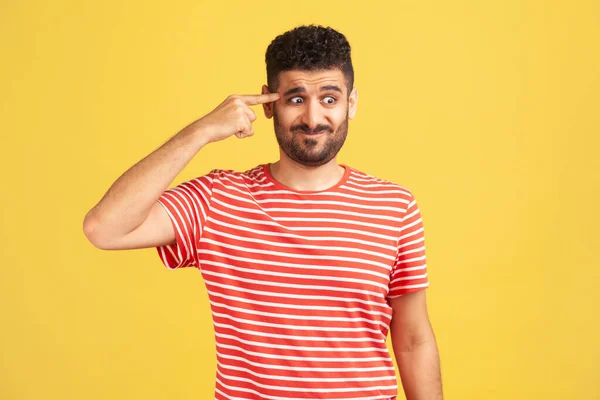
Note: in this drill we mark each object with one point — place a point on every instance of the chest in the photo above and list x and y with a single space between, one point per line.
313 246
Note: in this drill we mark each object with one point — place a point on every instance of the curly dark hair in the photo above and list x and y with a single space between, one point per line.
309 47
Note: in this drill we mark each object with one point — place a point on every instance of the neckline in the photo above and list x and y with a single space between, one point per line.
267 171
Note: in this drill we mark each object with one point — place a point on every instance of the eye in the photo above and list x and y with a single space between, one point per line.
329 100
296 100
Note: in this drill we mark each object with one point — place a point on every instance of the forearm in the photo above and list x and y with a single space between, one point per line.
129 200
419 367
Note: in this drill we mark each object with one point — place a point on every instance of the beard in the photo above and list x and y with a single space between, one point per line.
306 150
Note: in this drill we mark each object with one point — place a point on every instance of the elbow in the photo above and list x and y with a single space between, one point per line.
90 230
408 340
413 344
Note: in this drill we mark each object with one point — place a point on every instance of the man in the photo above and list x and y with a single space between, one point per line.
308 263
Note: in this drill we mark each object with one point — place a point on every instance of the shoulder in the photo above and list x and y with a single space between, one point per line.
375 185
228 177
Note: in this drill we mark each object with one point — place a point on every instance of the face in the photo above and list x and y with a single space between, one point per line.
311 115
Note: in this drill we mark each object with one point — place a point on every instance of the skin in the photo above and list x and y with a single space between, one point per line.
311 126
415 347
311 116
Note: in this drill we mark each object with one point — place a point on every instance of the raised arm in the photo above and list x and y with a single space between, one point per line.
129 216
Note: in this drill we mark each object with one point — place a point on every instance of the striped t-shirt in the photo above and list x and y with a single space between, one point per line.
298 281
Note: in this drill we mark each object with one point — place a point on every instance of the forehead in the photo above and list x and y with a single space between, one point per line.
311 80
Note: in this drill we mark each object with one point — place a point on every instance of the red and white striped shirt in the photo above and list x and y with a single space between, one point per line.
298 281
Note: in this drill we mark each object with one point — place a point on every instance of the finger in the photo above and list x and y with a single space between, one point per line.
254 99
245 130
244 134
250 114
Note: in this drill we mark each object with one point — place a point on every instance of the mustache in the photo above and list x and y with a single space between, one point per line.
306 129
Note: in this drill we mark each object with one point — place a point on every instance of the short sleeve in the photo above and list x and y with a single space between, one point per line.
187 206
409 273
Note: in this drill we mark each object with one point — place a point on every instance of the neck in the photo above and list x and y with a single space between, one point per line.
302 178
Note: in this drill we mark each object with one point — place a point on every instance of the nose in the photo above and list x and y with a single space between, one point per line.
313 114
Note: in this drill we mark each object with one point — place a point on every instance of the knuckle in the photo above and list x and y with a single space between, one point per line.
234 99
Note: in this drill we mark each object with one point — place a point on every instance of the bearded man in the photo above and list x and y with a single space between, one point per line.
308 263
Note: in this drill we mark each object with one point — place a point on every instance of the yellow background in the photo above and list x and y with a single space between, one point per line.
487 111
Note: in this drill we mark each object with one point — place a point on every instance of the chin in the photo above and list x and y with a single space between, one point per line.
308 162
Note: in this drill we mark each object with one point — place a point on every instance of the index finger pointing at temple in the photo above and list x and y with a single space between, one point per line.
260 98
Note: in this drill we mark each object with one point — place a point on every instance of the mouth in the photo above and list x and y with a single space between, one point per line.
310 134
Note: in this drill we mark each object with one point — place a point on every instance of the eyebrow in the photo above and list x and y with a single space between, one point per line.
301 89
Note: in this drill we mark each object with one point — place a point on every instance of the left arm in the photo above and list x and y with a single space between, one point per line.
415 347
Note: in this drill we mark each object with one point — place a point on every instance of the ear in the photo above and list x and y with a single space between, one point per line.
352 103
267 107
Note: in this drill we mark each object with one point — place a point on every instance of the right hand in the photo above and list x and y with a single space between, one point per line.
232 117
